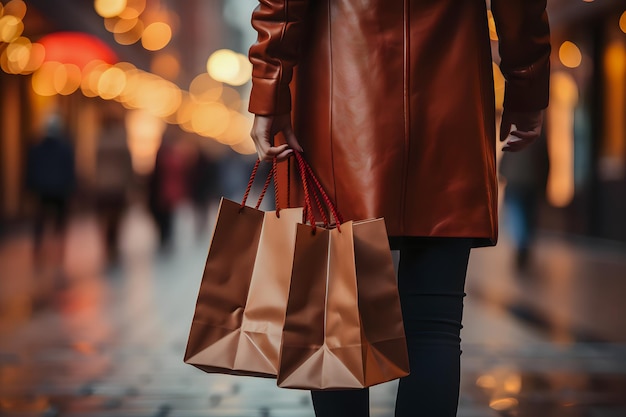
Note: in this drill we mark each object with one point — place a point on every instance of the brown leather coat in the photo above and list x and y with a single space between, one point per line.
394 103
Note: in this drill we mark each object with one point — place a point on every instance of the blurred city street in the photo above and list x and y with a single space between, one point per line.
82 338
122 123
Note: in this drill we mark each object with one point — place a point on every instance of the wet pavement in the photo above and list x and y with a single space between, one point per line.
80 337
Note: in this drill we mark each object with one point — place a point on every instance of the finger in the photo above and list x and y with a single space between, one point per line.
275 151
525 135
291 139
284 155
515 145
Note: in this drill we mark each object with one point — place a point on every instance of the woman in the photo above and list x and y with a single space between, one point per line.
394 108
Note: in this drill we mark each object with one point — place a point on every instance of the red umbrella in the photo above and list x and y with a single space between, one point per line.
76 48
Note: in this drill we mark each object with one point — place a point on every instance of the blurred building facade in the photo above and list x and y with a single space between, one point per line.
169 81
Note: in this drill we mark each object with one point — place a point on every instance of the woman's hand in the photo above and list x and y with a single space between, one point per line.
527 129
263 131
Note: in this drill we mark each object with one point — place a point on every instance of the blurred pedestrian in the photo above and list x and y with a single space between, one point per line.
169 184
114 180
394 108
203 187
51 178
526 175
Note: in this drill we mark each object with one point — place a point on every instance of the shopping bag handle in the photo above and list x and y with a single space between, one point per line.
312 187
268 180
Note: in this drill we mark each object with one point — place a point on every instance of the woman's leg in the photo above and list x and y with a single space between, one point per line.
347 403
431 280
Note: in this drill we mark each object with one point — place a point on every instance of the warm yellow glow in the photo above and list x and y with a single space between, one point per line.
622 22
560 134
109 8
570 54
210 119
117 25
37 55
132 36
160 98
1 9
43 79
11 28
166 65
111 83
513 383
185 112
91 77
229 67
498 84
245 147
238 129
15 8
144 134
156 36
502 404
493 34
18 55
134 8
487 381
613 148
204 89
66 79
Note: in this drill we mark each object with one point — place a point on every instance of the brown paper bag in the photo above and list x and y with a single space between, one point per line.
343 327
241 304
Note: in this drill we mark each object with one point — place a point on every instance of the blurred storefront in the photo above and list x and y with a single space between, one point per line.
586 121
116 74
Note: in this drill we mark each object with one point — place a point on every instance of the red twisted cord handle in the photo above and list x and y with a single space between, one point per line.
249 187
310 175
275 171
308 208
306 182
268 180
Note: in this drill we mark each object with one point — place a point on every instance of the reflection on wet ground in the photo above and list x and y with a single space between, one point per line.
79 337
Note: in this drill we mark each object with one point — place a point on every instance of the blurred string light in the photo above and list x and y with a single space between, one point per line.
209 108
622 22
129 23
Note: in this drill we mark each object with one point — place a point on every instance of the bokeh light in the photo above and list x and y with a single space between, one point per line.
67 79
204 89
43 79
210 119
109 8
133 9
111 83
16 8
11 28
570 54
166 65
156 36
622 22
132 36
229 67
91 77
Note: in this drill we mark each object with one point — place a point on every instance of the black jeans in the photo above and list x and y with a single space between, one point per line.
431 281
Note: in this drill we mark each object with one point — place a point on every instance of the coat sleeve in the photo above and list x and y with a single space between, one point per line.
279 24
524 44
